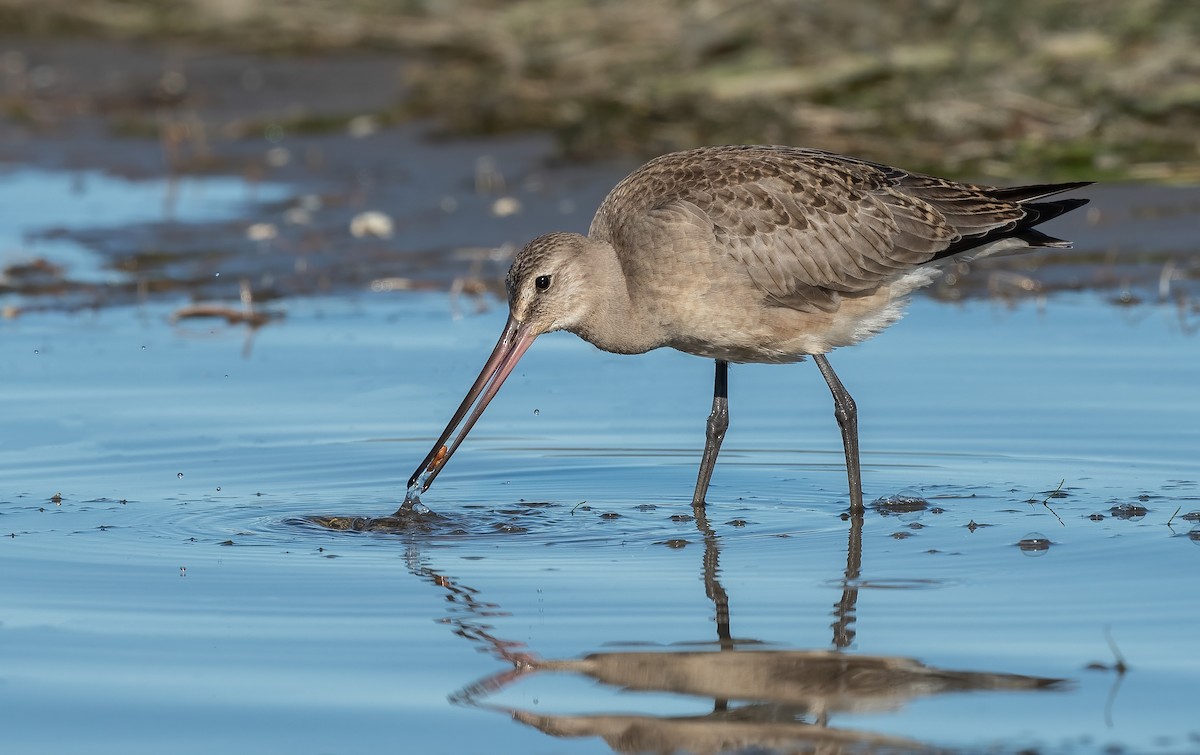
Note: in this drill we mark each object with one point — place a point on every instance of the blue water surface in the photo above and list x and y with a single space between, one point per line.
37 205
171 581
171 596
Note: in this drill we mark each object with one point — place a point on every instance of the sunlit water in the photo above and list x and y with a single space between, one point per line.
35 204
166 589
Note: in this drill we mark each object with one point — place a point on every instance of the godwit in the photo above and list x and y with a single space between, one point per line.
749 254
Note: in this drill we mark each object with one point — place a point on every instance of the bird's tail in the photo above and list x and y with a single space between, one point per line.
1040 212
1020 235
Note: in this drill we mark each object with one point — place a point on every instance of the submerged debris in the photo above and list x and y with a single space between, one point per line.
1133 512
231 315
899 503
247 315
403 521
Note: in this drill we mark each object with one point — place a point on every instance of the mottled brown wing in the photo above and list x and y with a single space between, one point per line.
808 226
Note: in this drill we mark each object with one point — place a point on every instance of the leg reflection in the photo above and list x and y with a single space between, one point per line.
843 610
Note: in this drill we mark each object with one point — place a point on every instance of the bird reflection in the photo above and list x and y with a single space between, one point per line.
764 700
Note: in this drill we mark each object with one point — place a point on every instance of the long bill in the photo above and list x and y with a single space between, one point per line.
513 343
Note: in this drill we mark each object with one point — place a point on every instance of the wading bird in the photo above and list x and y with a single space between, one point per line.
750 254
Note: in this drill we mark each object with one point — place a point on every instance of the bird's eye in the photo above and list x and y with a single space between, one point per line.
542 282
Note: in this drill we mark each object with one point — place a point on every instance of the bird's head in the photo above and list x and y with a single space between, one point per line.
547 286
546 292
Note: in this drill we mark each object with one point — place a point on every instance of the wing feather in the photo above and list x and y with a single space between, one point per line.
806 226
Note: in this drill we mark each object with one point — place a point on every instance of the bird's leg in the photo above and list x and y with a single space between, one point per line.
847 416
718 423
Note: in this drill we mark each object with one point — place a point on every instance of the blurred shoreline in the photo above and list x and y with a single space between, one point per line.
999 90
379 203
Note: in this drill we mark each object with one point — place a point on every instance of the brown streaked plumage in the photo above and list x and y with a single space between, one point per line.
750 254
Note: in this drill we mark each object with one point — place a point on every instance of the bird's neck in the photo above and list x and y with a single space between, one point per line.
615 321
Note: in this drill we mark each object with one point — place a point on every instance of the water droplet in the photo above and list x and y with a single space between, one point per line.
1034 544
35 351
180 475
218 488
218 275
536 412
143 348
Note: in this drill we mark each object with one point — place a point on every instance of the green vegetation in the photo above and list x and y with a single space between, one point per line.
1053 88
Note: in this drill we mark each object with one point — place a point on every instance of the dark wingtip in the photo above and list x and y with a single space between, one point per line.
1040 212
1034 237
1022 194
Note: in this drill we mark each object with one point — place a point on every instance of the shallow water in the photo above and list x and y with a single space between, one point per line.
176 597
36 203
196 553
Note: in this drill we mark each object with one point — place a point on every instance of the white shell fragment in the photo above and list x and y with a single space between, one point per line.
371 223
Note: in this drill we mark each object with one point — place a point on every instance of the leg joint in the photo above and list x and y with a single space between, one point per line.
718 420
844 409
